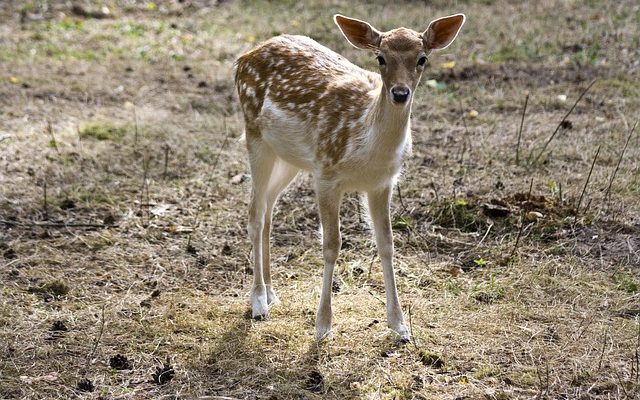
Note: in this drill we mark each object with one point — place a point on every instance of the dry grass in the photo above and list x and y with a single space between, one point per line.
129 257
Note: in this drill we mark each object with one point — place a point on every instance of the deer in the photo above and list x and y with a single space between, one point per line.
307 108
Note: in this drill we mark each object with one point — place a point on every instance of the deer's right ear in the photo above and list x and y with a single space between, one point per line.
358 33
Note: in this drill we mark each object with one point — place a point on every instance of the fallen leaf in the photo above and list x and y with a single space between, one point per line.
562 97
14 80
473 114
160 209
448 65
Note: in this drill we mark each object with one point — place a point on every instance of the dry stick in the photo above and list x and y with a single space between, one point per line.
466 133
624 149
100 332
587 182
135 128
145 185
45 205
560 193
373 258
530 189
404 208
515 246
524 110
166 161
535 161
604 346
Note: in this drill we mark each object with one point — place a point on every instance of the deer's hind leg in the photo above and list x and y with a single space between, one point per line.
262 160
282 175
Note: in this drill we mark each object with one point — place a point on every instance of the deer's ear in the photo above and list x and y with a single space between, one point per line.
358 33
442 32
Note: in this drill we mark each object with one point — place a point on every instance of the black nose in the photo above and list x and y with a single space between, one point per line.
400 94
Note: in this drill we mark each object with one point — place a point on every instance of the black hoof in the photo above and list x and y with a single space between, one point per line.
262 317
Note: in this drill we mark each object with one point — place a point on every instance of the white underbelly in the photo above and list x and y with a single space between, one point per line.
287 134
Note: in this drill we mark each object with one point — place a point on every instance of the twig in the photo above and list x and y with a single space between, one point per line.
373 258
46 205
604 346
530 189
535 161
435 191
608 191
55 224
377 298
404 208
97 341
145 184
466 133
135 128
560 192
524 110
166 161
515 246
587 182
485 235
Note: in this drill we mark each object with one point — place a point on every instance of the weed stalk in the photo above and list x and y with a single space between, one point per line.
607 194
553 135
524 110
587 182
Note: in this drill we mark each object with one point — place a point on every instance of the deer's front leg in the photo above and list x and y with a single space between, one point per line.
329 198
379 202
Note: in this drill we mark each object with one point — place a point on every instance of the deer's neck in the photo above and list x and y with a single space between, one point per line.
389 123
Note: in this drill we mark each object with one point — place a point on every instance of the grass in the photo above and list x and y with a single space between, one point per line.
160 271
102 131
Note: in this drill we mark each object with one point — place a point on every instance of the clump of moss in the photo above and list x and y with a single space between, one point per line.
488 291
487 371
431 359
458 213
626 283
51 290
102 131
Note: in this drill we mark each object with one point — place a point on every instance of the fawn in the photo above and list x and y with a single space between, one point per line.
307 108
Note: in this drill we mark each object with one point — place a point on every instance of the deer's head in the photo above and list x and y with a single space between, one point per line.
401 53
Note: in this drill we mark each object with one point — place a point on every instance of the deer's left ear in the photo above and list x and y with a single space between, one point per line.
442 32
359 33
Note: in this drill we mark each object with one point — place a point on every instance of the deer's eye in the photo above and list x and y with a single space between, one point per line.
381 60
422 61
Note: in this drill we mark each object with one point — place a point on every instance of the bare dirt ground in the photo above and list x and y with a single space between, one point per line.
124 263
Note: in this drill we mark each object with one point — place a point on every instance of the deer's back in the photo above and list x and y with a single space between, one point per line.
293 86
300 76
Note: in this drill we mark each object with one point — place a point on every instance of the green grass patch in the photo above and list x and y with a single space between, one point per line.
488 291
626 283
102 131
431 359
487 371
